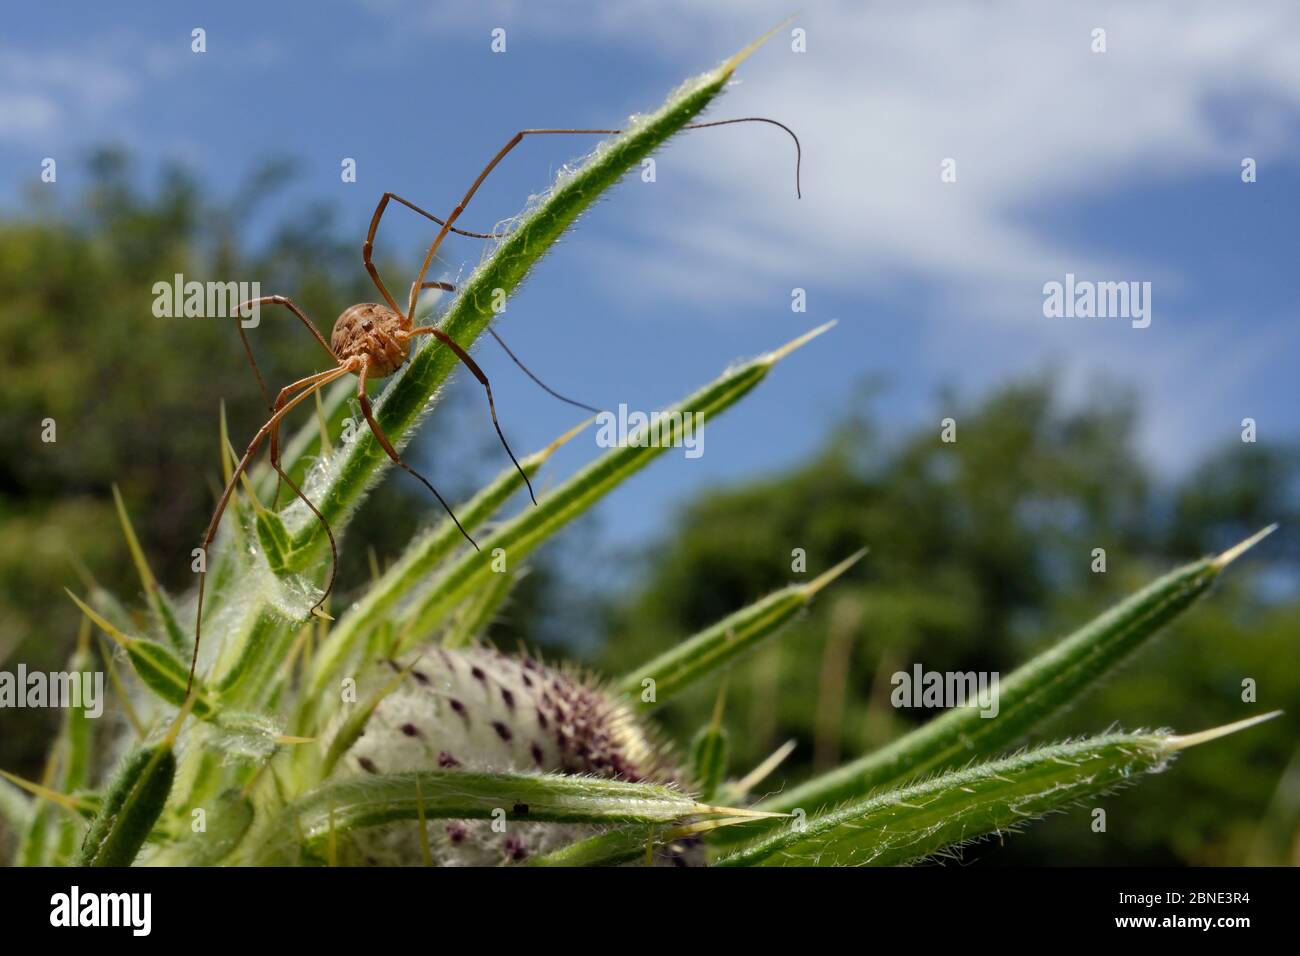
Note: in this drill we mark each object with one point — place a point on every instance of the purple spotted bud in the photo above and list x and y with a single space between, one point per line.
479 709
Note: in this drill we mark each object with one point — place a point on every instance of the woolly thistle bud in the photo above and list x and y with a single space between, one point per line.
478 709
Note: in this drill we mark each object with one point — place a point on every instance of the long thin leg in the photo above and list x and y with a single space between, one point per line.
444 286
248 351
302 316
384 443
367 249
798 149
469 194
448 287
261 385
320 381
329 533
470 364
311 327
519 137
527 371
275 432
428 215
283 476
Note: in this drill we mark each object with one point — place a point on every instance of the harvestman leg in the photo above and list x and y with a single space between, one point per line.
305 387
311 327
448 287
518 138
477 372
449 225
281 475
368 247
364 400
288 304
407 319
275 463
408 316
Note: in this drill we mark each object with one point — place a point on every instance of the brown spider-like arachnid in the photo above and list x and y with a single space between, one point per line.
372 340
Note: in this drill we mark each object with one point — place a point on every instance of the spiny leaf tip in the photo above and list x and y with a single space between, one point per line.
1183 741
730 65
826 577
1237 550
771 358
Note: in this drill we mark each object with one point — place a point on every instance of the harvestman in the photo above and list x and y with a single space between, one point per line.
373 340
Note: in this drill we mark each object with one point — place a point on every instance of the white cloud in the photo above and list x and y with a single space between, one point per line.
1035 121
83 92
46 94
24 116
1010 90
885 92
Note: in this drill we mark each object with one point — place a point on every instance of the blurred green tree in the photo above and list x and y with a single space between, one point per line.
982 553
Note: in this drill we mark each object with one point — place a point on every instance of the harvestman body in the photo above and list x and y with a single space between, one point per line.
372 340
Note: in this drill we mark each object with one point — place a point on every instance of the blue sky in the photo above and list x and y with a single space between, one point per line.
1115 166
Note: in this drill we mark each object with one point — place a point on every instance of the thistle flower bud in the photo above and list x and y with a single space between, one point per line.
479 709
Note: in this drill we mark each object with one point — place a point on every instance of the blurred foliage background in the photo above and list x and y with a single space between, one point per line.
982 549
